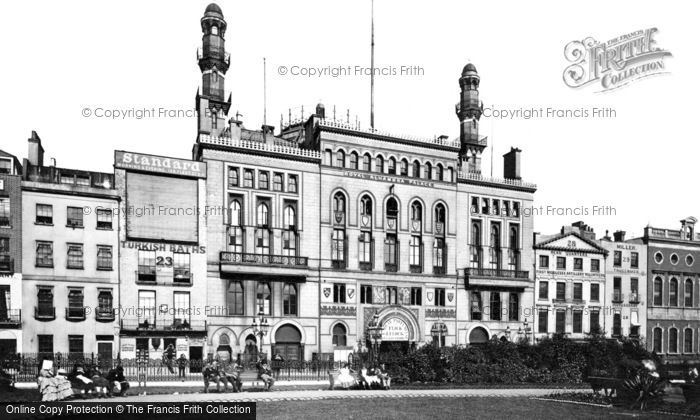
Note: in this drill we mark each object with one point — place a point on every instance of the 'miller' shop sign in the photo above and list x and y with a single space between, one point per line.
151 163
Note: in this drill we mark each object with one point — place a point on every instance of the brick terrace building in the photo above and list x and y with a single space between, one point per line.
673 282
10 254
570 279
69 274
625 287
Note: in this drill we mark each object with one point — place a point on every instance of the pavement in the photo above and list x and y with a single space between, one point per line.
308 395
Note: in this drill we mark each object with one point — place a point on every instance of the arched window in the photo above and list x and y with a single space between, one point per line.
450 174
366 206
264 299
495 307
404 167
428 171
513 240
392 208
416 169
340 159
353 160
234 298
214 30
290 217
340 335
329 157
262 232
658 291
289 235
262 218
366 162
233 177
672 340
235 213
438 172
416 211
235 231
673 292
289 299
513 307
379 166
476 234
392 165
495 236
688 340
658 334
495 250
440 219
339 202
688 293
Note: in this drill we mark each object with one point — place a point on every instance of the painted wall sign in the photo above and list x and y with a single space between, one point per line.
389 178
155 246
161 164
395 330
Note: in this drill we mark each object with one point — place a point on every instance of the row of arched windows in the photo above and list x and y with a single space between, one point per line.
673 343
392 209
677 296
392 166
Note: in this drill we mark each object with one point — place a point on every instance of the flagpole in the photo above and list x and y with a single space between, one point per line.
371 106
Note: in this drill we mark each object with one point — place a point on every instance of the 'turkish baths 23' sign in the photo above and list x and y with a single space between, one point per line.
166 165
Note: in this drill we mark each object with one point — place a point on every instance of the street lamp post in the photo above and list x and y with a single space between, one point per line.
260 330
374 330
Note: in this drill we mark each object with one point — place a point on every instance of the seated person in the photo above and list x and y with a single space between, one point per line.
119 384
6 381
383 376
80 381
53 387
371 378
211 374
265 374
345 377
102 386
232 374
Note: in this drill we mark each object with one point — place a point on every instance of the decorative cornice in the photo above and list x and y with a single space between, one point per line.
440 313
337 310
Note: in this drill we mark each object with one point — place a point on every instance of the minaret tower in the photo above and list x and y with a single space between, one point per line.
469 111
214 61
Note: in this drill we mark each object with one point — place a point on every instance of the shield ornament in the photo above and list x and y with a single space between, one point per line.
450 296
430 296
339 217
326 291
351 293
415 225
366 220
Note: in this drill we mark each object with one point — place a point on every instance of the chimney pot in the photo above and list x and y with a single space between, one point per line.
511 164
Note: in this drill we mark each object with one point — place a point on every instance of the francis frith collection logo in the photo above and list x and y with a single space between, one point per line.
615 63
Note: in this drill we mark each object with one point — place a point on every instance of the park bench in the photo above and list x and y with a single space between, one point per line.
252 376
333 377
608 385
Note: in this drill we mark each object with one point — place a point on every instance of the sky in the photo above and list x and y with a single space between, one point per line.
633 168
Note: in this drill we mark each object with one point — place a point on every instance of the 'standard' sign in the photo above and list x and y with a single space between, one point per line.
162 164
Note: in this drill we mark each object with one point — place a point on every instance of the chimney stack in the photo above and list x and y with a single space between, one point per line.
268 133
321 111
36 151
619 236
511 164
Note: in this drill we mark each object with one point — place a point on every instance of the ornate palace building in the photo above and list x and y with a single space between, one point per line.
328 224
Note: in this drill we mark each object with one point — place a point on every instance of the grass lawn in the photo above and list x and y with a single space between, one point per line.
439 408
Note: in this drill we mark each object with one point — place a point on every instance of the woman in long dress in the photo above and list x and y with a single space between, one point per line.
345 379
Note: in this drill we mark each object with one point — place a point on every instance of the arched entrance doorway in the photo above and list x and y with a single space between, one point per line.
396 336
478 335
223 351
288 343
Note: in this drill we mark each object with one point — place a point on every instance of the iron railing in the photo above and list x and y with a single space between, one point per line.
11 318
245 258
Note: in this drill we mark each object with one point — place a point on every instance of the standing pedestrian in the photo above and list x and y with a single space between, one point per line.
182 363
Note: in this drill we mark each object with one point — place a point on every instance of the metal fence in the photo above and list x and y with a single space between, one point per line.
25 367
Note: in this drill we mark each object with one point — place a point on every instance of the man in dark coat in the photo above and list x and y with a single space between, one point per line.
119 384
